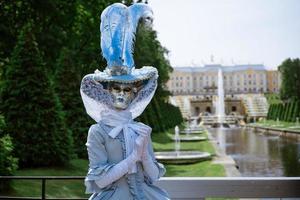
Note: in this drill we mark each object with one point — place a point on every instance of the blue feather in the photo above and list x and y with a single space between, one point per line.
112 33
118 27
136 12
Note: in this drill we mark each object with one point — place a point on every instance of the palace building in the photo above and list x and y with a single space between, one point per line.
237 79
195 89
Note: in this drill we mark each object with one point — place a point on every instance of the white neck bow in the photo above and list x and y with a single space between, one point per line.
122 120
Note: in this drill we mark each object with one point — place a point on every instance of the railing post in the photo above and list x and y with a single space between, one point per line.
43 189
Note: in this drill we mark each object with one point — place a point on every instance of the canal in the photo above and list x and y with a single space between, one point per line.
258 154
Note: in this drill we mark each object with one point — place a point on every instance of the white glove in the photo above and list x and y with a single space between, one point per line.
123 167
149 166
145 130
139 147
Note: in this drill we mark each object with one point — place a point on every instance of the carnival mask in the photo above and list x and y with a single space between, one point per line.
122 94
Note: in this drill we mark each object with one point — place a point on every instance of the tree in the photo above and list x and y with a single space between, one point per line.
149 52
290 73
31 108
67 84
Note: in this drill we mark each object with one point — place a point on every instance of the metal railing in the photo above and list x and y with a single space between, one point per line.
43 180
189 188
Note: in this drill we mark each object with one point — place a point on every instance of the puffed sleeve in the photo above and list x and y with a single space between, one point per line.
98 160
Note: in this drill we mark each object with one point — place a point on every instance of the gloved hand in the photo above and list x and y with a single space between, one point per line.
138 148
127 165
145 132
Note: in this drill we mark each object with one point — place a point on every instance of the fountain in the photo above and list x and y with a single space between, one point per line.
188 137
220 107
192 126
277 123
181 157
297 125
177 141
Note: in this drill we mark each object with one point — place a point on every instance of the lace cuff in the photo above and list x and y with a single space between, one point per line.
161 169
95 174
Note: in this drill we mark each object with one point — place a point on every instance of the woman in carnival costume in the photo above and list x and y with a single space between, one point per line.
121 159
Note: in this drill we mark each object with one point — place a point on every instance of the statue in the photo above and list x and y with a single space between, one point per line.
121 158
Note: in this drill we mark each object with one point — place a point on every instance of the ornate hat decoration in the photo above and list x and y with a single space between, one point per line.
118 27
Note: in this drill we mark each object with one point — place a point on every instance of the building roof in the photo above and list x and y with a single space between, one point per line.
216 67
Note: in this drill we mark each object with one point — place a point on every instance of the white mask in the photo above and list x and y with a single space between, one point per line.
122 94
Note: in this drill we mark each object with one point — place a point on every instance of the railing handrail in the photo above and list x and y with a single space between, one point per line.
201 187
44 177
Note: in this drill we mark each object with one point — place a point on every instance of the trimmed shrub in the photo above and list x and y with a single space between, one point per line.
31 108
67 84
285 112
8 163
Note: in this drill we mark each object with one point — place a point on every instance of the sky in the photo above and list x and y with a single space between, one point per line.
228 32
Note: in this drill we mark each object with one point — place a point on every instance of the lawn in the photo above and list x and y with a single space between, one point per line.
163 142
78 167
279 124
60 188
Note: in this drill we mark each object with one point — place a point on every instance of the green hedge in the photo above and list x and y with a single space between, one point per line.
284 111
8 164
161 116
31 108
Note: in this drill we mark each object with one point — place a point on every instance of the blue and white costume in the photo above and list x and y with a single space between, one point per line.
115 170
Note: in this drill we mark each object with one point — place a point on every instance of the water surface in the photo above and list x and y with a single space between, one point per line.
259 154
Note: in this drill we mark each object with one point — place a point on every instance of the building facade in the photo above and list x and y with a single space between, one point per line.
237 79
274 81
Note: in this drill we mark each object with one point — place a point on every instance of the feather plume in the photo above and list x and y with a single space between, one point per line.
136 12
118 28
113 30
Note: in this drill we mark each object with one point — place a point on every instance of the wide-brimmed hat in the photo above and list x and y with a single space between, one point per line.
118 27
